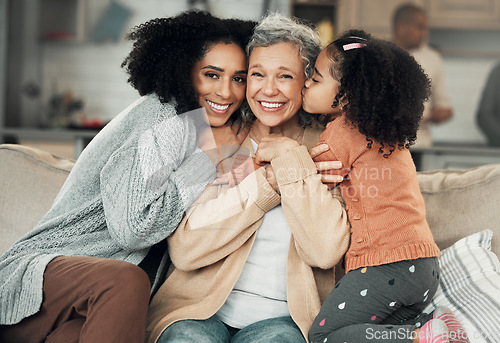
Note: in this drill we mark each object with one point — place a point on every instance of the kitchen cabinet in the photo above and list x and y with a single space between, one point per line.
62 20
375 16
464 14
314 10
322 13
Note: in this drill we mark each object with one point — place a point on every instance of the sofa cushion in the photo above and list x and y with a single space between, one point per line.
469 286
29 181
462 202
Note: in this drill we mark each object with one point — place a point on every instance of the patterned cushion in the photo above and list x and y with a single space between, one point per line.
470 286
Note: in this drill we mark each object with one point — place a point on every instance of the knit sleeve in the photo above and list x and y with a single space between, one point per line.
316 216
147 188
219 224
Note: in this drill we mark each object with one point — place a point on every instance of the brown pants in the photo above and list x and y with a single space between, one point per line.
87 299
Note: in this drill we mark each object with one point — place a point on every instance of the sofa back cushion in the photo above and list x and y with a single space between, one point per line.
462 202
458 202
29 181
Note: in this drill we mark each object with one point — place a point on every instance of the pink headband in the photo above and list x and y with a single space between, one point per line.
353 46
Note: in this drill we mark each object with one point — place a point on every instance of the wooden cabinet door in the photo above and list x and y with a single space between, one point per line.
374 16
464 14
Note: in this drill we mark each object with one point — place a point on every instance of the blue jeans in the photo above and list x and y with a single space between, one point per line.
212 330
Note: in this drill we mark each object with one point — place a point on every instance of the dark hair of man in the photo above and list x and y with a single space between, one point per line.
405 14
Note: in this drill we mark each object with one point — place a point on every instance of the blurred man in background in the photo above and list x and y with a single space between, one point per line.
488 113
410 33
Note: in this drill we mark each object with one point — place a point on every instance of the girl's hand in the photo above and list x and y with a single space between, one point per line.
273 146
326 168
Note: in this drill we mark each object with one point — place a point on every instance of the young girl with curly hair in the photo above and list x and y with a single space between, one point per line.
86 271
372 93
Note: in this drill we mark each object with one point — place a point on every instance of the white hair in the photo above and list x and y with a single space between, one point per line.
276 28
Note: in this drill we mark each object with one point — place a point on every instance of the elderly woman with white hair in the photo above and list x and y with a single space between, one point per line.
254 258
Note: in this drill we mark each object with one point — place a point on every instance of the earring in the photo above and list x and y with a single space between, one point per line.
338 105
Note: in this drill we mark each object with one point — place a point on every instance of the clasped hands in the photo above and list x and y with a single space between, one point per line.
273 146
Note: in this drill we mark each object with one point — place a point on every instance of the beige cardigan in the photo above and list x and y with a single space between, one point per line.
210 246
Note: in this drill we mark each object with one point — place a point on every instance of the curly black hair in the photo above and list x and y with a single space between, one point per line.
166 49
382 88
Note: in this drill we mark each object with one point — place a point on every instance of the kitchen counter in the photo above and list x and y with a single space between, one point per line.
78 137
454 156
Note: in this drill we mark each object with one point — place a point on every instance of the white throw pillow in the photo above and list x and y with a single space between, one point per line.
470 286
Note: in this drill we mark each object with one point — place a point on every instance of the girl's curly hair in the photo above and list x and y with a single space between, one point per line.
165 50
382 88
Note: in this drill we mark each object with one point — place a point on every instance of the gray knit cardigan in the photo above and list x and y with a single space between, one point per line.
127 191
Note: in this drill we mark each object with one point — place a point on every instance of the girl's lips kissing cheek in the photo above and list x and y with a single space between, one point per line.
218 108
271 106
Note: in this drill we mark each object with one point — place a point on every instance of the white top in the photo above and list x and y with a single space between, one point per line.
432 63
260 292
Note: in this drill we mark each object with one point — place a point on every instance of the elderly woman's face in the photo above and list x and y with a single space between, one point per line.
275 82
219 80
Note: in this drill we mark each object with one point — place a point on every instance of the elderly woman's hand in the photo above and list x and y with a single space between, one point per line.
271 178
273 146
326 168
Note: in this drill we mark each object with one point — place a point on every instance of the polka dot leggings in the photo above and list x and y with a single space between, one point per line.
378 304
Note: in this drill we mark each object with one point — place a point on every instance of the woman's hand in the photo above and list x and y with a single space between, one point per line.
271 178
326 168
273 146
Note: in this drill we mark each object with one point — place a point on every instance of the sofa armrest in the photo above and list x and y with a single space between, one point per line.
462 202
29 181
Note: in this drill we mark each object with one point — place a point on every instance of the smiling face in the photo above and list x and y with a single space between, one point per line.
275 82
320 90
219 80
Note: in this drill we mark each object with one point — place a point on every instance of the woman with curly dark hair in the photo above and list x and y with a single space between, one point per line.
373 93
86 271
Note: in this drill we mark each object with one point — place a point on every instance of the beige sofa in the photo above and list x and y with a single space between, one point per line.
458 203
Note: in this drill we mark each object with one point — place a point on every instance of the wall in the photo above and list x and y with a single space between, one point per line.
468 56
92 71
465 79
3 55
